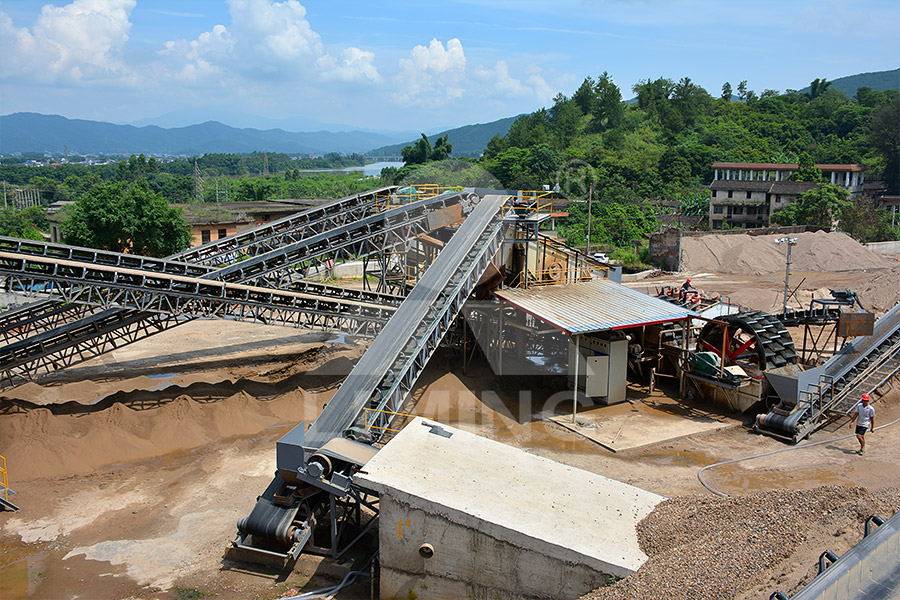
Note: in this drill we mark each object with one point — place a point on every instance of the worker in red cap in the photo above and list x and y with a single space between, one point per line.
865 420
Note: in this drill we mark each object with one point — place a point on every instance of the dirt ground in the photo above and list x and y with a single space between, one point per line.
133 469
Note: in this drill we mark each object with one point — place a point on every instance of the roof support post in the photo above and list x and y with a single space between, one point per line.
575 387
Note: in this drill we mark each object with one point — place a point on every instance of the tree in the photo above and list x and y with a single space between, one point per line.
726 92
442 149
822 206
866 222
745 94
584 96
885 137
25 223
565 118
607 112
817 87
808 171
126 216
417 153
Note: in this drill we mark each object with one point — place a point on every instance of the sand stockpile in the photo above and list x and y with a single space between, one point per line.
759 254
745 546
40 444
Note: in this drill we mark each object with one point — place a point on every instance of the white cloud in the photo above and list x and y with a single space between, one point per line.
498 82
79 41
268 39
354 65
432 75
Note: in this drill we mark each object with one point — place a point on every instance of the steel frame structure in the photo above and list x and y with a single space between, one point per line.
374 234
279 526
181 296
25 321
50 313
377 233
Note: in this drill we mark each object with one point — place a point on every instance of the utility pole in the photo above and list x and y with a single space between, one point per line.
590 201
791 242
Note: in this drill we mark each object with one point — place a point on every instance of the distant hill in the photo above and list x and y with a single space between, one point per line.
877 80
33 132
469 140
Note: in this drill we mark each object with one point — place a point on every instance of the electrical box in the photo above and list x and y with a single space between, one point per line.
597 383
603 367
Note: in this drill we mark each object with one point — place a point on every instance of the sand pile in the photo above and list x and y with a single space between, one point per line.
745 546
742 253
40 444
882 291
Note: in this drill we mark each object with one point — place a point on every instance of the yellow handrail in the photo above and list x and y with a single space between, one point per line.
388 412
4 478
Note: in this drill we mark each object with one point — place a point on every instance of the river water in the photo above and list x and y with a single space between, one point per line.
370 170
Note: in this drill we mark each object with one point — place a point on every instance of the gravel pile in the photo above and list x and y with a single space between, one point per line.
758 255
745 546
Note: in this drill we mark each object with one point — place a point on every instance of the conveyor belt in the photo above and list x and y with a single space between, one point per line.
380 380
862 365
373 234
394 357
50 313
104 285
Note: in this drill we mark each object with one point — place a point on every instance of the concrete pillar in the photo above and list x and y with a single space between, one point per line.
716 176
833 174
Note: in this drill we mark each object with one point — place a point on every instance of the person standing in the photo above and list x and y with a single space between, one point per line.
865 420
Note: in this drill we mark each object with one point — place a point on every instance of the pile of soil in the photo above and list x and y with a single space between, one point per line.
759 254
745 546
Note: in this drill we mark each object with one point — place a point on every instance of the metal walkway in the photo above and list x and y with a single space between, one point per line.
814 396
315 466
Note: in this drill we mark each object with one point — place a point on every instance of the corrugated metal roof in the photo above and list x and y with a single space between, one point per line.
591 306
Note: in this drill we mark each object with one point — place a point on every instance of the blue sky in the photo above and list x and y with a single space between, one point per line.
409 65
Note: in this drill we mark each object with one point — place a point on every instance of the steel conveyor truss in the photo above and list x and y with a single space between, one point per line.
21 322
50 313
373 234
315 466
180 296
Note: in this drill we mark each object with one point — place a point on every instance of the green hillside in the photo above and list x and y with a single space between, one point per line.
469 140
877 80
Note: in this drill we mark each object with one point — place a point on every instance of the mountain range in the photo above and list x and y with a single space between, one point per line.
33 132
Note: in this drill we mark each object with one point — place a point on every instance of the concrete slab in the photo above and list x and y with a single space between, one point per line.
531 502
642 422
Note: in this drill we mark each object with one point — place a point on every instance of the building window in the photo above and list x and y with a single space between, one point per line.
738 210
717 224
714 194
717 209
223 233
204 236
730 194
751 210
749 194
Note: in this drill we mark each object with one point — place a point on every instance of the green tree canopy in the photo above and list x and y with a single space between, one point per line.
822 206
26 223
886 139
126 217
